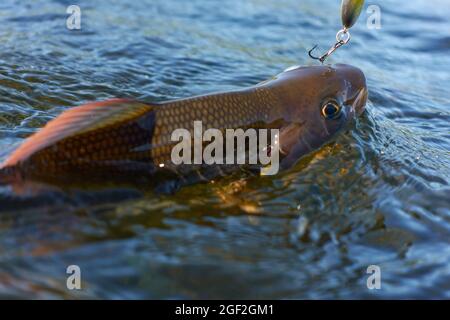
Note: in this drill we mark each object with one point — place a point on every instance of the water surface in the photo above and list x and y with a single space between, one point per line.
379 195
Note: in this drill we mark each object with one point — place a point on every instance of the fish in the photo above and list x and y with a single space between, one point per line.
123 140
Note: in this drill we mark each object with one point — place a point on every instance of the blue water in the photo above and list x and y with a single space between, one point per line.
379 195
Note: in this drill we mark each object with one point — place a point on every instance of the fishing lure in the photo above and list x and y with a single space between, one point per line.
350 12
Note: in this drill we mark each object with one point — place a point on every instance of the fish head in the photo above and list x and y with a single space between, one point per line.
341 95
322 100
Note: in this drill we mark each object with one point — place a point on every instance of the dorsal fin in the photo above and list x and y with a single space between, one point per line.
76 121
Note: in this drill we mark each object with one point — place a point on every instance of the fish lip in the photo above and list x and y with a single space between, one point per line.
359 102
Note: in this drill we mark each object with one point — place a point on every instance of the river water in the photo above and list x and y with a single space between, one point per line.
379 195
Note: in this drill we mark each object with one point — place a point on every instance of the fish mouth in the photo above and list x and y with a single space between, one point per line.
361 100
356 94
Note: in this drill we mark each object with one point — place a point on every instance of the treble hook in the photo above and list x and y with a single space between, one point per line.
342 38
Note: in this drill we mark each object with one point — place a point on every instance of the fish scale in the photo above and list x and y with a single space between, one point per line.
222 111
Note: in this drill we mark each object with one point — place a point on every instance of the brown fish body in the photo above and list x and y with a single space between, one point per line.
124 138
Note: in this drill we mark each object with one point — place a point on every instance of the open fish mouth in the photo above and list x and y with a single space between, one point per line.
359 104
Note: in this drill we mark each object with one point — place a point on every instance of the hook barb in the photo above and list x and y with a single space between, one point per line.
311 55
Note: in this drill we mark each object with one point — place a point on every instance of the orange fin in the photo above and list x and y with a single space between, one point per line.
76 121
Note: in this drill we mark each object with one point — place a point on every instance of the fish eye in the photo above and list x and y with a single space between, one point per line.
331 110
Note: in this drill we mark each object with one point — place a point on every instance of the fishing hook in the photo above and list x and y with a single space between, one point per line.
342 38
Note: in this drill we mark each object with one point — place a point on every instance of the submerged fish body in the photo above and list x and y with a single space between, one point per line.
128 139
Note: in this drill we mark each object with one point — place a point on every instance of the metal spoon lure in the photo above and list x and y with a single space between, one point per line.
350 12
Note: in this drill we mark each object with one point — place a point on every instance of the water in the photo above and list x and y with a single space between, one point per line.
379 195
